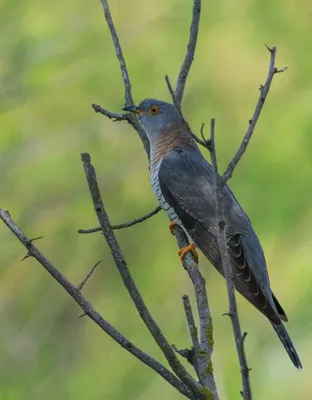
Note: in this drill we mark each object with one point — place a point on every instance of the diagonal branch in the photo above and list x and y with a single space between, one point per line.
134 293
81 285
189 57
264 90
126 224
225 260
90 311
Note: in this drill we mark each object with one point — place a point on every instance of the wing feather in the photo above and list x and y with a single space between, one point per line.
186 182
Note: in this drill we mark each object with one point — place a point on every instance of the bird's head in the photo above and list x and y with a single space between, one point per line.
156 117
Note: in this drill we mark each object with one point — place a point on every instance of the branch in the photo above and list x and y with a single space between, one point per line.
90 311
196 388
81 285
194 337
206 329
131 118
222 243
189 264
126 224
109 114
119 54
189 57
264 90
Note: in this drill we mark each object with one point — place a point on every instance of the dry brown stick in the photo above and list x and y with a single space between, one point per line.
125 224
180 371
222 243
90 311
191 47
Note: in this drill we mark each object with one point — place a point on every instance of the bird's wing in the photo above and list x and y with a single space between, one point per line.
186 182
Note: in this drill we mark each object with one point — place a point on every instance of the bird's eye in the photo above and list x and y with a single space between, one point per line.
154 110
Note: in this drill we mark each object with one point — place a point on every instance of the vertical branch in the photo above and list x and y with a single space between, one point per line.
203 356
189 57
119 54
133 120
222 243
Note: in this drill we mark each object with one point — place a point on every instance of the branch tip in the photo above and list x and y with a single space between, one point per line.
81 285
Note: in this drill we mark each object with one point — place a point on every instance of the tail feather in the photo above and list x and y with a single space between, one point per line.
285 339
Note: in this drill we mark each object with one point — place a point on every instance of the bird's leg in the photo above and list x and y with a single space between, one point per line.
171 226
184 250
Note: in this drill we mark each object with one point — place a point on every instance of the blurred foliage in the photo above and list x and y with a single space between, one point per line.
56 59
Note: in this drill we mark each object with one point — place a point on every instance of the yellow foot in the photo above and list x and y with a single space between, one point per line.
171 226
186 249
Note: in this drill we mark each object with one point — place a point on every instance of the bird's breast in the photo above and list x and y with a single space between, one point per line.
159 196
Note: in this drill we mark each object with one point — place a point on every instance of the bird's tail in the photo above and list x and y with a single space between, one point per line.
285 339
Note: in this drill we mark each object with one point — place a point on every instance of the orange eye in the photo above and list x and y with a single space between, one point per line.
154 110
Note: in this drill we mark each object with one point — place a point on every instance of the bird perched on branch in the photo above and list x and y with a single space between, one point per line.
182 181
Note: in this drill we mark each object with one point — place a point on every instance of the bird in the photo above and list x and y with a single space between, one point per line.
182 182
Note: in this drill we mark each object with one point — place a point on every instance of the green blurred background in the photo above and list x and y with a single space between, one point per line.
56 59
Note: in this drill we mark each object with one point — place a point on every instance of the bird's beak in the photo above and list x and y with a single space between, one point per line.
133 109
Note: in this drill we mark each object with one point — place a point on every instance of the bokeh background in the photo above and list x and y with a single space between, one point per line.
56 59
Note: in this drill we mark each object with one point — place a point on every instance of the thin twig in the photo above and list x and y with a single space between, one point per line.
81 285
222 243
264 90
129 283
185 353
126 224
109 114
189 57
90 311
119 54
194 336
131 118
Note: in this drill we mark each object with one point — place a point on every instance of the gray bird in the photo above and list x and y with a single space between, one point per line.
182 182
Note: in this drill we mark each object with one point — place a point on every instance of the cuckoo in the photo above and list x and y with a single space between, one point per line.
182 182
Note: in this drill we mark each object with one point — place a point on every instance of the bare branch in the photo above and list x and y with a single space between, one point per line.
90 311
222 243
199 284
126 224
195 353
129 283
205 320
191 322
119 54
185 353
189 264
110 115
81 285
264 90
189 57
132 119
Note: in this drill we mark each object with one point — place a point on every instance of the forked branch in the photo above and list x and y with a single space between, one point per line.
75 293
